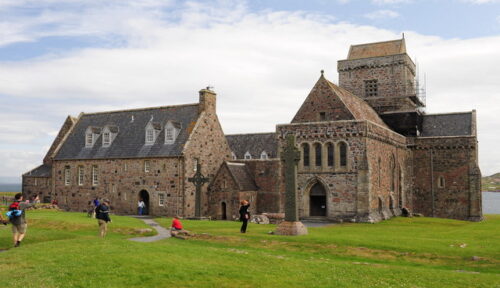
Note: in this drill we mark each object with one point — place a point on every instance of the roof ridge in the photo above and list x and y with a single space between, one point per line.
141 109
379 42
449 113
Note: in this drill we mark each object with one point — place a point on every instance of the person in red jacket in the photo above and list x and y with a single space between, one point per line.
176 229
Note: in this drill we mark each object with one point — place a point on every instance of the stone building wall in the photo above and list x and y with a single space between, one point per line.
223 189
207 143
66 127
389 176
37 186
447 178
342 184
121 181
270 180
395 77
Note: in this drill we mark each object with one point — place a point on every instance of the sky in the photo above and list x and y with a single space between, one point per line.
64 57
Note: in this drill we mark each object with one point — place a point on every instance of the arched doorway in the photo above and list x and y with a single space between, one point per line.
144 195
224 213
317 200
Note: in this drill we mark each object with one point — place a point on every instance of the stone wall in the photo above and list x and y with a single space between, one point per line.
340 183
395 77
270 180
121 181
207 143
447 178
41 186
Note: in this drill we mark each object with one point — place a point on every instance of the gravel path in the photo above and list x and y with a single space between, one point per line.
162 232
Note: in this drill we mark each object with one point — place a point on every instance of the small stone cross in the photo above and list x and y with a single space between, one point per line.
198 180
291 156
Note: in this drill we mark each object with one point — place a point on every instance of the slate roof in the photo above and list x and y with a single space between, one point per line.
377 49
358 107
242 176
40 171
254 144
130 139
450 124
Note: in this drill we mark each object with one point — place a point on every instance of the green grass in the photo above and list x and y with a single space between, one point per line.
62 250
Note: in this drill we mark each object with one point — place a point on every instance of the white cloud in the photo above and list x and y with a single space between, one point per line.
382 14
262 65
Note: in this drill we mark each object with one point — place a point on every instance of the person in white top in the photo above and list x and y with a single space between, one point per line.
140 206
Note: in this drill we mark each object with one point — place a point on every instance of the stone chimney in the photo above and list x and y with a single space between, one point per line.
207 101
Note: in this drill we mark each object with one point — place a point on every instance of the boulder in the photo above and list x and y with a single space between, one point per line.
259 219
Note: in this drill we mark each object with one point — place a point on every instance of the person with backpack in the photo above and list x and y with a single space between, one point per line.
17 216
102 215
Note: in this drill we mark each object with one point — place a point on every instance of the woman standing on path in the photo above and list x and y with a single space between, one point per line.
244 215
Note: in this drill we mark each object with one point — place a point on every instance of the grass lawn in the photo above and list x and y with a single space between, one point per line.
62 250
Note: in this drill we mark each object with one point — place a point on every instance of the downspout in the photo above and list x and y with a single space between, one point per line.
432 182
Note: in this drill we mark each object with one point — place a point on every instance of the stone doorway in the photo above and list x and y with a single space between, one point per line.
144 195
224 211
317 200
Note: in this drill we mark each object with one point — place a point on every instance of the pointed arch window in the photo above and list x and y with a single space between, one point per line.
317 152
305 154
330 155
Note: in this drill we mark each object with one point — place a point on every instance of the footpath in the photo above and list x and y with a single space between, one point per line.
162 232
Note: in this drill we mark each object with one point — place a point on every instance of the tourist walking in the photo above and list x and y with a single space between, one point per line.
141 206
96 204
17 216
102 215
244 215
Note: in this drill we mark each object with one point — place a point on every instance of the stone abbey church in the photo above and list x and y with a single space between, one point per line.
368 149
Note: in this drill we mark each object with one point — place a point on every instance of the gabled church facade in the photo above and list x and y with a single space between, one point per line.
368 149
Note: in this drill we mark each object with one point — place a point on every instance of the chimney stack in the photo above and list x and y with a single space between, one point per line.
207 101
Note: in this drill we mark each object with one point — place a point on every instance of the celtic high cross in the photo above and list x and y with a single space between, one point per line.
198 180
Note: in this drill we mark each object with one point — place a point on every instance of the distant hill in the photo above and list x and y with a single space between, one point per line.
10 187
491 183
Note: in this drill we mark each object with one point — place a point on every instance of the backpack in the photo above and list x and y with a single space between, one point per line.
14 211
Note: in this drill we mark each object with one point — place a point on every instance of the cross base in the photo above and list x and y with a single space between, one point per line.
288 228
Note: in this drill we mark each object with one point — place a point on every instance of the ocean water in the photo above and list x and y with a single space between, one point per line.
491 202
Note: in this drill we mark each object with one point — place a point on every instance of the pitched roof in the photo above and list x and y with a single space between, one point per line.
130 139
357 106
40 171
377 49
242 176
450 124
254 144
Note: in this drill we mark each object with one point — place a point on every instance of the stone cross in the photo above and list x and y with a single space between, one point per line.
198 180
291 156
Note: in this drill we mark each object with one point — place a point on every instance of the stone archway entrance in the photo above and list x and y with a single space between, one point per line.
223 211
317 200
144 195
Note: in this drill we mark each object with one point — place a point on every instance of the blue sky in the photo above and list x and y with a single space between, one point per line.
62 57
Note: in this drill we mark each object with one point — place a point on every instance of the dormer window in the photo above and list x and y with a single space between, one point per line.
106 139
150 136
91 135
88 140
152 131
172 130
108 135
264 155
234 156
248 155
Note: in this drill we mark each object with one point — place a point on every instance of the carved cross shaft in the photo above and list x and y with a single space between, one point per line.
198 180
291 156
